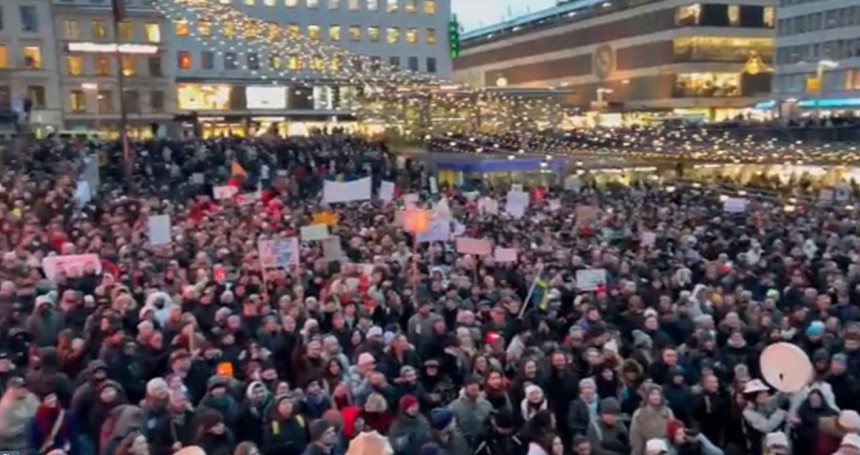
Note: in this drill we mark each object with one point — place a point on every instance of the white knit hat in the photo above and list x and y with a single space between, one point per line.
655 446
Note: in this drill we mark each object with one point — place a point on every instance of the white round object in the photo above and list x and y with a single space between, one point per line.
786 367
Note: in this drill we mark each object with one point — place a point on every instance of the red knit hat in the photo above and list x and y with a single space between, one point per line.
407 402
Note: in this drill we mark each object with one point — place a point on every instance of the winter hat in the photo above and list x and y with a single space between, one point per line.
440 418
215 382
536 390
587 382
849 420
317 428
407 402
815 329
840 358
610 405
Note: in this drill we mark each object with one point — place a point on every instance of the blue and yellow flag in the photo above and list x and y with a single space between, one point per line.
541 293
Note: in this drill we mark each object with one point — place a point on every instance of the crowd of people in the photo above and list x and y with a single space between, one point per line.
403 347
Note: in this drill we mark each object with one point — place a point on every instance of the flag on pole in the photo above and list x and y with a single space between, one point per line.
541 293
236 170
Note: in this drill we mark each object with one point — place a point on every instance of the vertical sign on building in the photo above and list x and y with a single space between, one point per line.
454 36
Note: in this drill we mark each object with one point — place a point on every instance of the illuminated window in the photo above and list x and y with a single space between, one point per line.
688 15
429 6
225 2
275 62
313 3
412 35
77 101
99 30
105 102
184 60
392 34
251 30
269 2
333 4
372 5
431 36
734 15
769 16
410 7
292 3
318 63
295 62
294 30
126 31
153 33
129 66
204 27
75 65
337 63
228 29
373 34
33 57
274 31
334 33
710 85
102 65
71 30
355 33
203 96
354 5
4 57
182 28
721 49
250 2
314 32
392 6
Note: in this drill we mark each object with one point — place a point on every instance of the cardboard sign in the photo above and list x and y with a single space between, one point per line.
386 191
356 190
314 232
331 249
480 247
439 231
159 229
786 367
504 255
516 203
83 194
279 253
735 205
224 192
72 265
590 279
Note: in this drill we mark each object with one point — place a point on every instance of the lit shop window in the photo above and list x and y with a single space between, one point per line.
99 30
33 57
334 33
153 33
129 66
392 35
77 101
75 65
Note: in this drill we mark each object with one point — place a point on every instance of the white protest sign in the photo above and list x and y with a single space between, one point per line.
471 195
356 190
590 279
159 229
843 192
410 199
224 192
572 184
648 239
442 211
332 250
503 255
516 203
554 205
434 186
480 247
459 229
314 232
71 265
279 253
488 205
83 195
439 231
734 205
249 198
198 178
517 187
386 191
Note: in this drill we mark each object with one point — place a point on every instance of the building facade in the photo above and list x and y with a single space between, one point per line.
241 89
28 64
93 54
651 57
818 54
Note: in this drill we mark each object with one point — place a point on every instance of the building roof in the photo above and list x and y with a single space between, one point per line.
546 16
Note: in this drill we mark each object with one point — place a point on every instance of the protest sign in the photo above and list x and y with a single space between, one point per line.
516 203
83 194
434 186
843 192
356 190
590 279
503 255
279 253
442 211
314 232
786 367
572 184
332 250
735 205
554 205
159 229
410 200
480 247
249 198
386 191
416 220
488 205
71 265
648 239
223 192
517 187
439 231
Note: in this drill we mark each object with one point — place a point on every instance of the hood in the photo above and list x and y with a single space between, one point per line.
125 419
49 358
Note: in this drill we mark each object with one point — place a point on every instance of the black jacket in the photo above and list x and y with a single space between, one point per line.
285 436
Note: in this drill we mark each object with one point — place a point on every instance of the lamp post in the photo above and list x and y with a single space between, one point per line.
118 8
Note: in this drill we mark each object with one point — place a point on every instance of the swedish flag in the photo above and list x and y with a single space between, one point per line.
541 293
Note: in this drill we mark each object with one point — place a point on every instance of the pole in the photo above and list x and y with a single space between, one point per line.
118 7
531 291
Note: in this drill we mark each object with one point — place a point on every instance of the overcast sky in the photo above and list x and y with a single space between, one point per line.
478 13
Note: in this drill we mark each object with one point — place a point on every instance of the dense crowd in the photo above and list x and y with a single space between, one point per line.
403 347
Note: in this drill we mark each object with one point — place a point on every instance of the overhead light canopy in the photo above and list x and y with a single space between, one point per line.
113 48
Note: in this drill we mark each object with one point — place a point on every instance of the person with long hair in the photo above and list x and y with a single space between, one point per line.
807 423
